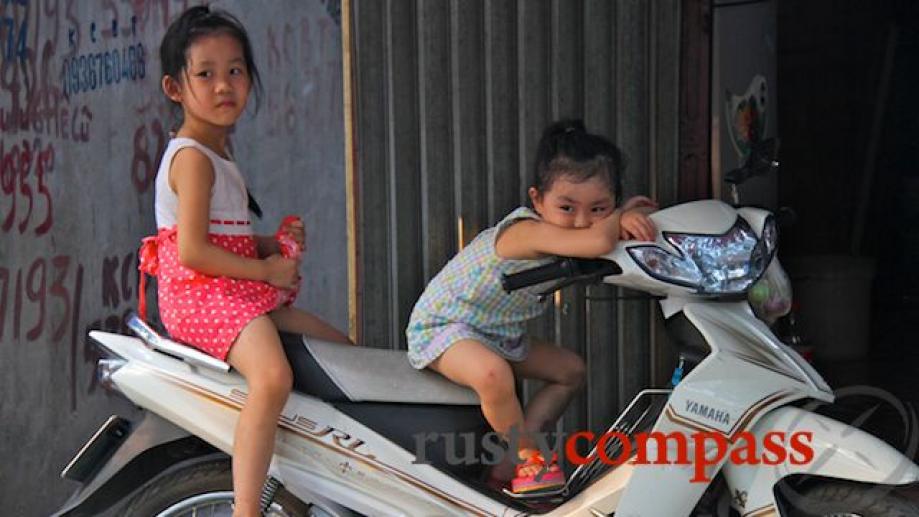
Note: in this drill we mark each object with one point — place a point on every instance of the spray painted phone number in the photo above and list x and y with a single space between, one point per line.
90 72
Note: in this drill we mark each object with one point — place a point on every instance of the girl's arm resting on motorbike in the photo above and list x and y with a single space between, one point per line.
191 176
531 239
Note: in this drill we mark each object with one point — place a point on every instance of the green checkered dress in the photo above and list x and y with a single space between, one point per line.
465 301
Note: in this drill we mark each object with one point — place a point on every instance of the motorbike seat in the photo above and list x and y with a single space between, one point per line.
341 373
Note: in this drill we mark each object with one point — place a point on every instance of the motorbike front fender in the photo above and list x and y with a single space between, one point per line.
839 451
153 445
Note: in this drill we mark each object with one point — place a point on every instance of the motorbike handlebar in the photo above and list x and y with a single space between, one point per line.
563 267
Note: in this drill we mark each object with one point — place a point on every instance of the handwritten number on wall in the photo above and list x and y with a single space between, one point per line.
32 283
45 163
8 182
58 290
143 168
25 162
36 294
23 175
15 41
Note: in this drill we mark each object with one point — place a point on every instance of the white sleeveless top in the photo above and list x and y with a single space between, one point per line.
229 213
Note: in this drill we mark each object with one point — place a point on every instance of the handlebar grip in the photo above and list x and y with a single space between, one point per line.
574 269
552 271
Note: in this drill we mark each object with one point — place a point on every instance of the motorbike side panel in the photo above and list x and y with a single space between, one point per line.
746 374
318 448
839 451
731 328
684 483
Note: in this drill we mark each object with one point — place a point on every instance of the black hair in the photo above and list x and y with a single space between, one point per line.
567 150
200 21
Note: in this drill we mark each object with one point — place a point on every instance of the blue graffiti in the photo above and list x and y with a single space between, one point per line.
113 28
91 72
15 41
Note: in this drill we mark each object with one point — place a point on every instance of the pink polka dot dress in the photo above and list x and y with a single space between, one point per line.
207 312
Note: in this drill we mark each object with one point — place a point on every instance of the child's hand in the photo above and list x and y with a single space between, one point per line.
640 202
635 225
282 272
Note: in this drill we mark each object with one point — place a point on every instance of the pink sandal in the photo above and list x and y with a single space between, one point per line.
548 478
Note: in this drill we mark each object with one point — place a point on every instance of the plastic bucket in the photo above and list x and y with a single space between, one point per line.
834 303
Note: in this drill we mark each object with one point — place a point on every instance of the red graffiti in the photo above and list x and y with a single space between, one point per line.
144 163
111 294
119 283
23 171
52 12
61 265
44 285
36 295
145 11
293 98
54 119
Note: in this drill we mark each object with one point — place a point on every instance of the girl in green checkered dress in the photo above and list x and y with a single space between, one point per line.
468 329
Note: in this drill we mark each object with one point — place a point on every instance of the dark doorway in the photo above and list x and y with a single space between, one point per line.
848 71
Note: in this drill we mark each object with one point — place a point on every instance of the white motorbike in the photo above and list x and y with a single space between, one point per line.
364 433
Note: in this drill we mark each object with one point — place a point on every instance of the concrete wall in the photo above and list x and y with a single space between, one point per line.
77 160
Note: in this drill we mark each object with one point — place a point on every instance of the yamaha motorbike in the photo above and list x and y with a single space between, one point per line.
732 425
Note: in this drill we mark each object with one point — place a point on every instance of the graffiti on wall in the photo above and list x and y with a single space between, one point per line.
118 297
27 293
26 205
83 126
63 65
299 80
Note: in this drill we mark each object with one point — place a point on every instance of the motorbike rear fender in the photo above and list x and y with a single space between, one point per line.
152 446
840 451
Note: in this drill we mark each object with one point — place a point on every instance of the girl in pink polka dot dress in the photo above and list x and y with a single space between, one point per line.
222 288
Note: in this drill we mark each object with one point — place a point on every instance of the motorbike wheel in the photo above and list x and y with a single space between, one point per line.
202 489
841 499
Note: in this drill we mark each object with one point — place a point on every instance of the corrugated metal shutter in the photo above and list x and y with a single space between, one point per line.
449 100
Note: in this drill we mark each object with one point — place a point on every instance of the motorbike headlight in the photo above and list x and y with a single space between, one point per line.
667 266
711 264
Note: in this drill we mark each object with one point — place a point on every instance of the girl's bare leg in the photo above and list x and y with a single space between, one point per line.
290 319
473 364
563 372
258 356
